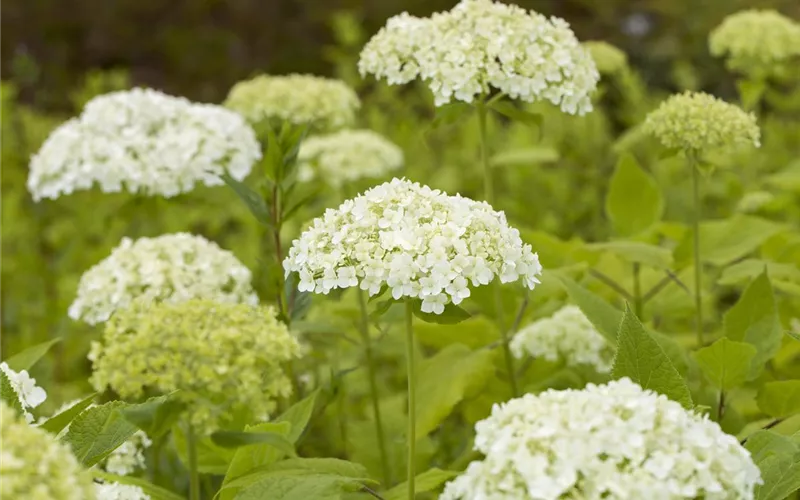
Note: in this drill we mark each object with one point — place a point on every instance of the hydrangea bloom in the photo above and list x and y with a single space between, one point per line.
346 156
569 335
35 466
144 141
755 40
698 121
420 242
29 394
169 268
609 441
117 491
129 456
482 45
322 103
609 59
221 357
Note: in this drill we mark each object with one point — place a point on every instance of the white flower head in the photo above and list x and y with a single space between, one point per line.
322 103
567 335
29 394
346 156
482 45
145 141
118 491
129 456
417 241
608 441
170 268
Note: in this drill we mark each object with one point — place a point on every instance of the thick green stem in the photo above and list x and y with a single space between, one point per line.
721 406
488 189
698 266
373 388
488 182
194 475
412 403
637 291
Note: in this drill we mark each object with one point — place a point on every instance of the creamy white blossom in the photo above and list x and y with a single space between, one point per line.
322 103
29 394
481 45
129 456
143 141
567 335
608 441
346 156
117 491
419 242
169 268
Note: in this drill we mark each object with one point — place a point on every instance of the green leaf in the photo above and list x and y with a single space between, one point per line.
452 314
156 415
254 202
450 113
640 358
754 319
8 394
726 363
516 114
525 156
426 481
728 240
247 459
298 416
57 423
779 399
211 459
475 332
299 485
634 202
788 178
465 372
98 431
26 359
751 92
605 317
236 439
636 252
776 457
153 491
749 269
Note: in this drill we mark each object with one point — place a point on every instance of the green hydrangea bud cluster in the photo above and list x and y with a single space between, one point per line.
322 103
695 121
756 41
608 59
222 358
35 466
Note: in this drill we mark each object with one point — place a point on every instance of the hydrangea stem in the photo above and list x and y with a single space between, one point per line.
637 290
373 388
488 186
412 403
698 265
191 451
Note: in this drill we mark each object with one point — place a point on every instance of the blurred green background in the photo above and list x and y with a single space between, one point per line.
57 54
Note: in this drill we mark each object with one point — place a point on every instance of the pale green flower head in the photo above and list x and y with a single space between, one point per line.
222 358
756 41
695 121
35 466
321 103
608 59
346 156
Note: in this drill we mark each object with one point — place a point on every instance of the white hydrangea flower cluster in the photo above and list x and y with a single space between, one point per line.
480 45
29 394
346 156
128 457
322 103
117 491
169 268
608 441
419 242
569 335
755 40
143 141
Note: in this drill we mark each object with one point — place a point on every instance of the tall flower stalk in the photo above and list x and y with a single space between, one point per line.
412 400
